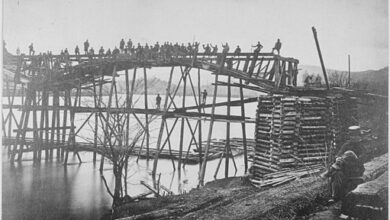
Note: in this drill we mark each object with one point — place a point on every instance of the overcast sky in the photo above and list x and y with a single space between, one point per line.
356 27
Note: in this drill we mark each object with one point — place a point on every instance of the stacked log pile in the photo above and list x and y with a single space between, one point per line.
294 131
287 175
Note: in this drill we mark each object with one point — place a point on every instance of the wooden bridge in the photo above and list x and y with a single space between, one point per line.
52 86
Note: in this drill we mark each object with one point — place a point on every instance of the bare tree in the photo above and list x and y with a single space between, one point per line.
338 79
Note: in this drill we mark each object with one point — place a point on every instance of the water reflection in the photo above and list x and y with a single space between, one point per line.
51 190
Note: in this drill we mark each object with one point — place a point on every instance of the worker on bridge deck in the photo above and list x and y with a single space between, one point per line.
108 53
122 45
207 49
204 96
77 50
31 49
190 50
196 47
258 47
237 51
86 46
115 52
277 46
129 44
101 51
215 50
158 101
226 48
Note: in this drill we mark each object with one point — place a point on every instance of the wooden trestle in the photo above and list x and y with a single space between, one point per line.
52 88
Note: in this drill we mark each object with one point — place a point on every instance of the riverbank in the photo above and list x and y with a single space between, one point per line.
236 198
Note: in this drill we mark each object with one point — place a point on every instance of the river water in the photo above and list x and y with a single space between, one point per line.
76 191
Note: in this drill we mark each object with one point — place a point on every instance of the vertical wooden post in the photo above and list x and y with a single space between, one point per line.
349 71
203 168
64 124
53 124
58 129
35 145
47 128
25 125
42 120
10 110
108 113
227 143
184 74
128 107
167 93
199 122
277 72
146 114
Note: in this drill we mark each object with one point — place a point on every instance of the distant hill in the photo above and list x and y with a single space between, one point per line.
372 80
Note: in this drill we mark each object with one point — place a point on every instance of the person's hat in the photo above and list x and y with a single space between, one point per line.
354 131
349 153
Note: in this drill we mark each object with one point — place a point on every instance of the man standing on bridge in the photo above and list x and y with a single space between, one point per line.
204 95
101 51
258 47
277 46
237 51
225 48
122 45
77 50
86 46
129 45
31 49
158 101
215 50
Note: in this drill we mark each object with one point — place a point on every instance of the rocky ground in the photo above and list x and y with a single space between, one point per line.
236 198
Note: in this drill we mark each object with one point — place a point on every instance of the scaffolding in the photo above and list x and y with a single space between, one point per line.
53 85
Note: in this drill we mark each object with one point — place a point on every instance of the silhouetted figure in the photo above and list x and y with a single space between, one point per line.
115 52
308 81
158 101
277 46
196 47
122 45
101 51
17 51
207 49
204 96
77 50
215 50
86 46
129 44
258 47
108 53
226 48
237 51
66 52
31 49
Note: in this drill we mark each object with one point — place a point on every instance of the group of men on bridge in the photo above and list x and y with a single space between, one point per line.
164 51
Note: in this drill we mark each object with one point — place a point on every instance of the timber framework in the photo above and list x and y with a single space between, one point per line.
54 86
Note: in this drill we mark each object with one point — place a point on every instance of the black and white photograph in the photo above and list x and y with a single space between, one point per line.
194 109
